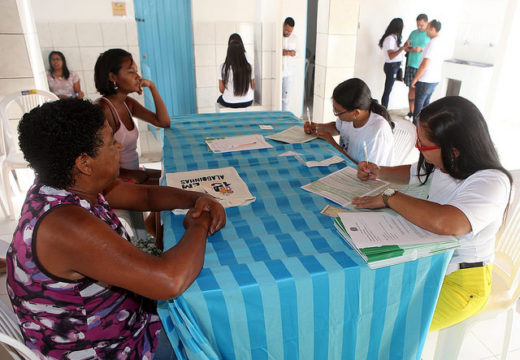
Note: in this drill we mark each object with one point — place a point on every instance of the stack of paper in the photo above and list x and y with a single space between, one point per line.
382 239
224 184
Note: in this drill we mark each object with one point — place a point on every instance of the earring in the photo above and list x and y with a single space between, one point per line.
115 86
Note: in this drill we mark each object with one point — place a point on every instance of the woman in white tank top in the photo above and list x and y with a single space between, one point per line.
116 77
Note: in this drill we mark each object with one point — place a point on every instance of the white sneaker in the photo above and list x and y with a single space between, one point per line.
409 117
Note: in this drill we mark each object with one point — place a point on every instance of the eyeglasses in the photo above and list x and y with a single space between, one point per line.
422 148
340 113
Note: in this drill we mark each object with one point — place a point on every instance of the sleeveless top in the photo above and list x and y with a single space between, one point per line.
128 157
74 319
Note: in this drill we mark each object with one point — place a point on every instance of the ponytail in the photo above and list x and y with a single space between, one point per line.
375 107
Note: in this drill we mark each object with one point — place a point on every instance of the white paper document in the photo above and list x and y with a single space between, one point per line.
292 135
343 185
379 229
266 127
238 143
224 184
290 153
327 162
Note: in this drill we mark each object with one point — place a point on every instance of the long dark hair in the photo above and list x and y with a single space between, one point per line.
64 68
236 38
395 27
237 62
454 122
109 62
354 94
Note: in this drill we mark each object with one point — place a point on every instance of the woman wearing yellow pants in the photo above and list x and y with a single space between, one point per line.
469 192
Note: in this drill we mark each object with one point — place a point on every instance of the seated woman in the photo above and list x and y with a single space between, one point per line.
62 82
80 289
236 79
468 195
115 76
361 123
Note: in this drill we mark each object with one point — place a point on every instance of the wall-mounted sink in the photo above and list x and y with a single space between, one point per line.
470 63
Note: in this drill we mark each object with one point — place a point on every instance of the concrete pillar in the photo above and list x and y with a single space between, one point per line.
335 52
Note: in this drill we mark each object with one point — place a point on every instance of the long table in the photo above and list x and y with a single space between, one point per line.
278 281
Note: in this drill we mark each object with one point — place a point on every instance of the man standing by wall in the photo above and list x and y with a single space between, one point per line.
429 73
289 52
418 40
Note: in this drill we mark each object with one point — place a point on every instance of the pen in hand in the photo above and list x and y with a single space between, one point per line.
366 157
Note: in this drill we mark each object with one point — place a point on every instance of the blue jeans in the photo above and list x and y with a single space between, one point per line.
423 93
164 349
391 70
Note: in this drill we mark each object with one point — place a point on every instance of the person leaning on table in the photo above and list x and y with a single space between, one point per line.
80 289
468 196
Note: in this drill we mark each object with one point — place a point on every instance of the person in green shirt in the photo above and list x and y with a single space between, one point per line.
417 40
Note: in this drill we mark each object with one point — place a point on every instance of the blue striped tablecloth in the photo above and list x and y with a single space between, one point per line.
278 281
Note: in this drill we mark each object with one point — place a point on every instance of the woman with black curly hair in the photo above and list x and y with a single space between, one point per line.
80 289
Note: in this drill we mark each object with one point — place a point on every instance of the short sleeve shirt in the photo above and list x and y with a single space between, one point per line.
390 43
417 38
62 86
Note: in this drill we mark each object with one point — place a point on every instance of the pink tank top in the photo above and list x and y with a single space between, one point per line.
128 157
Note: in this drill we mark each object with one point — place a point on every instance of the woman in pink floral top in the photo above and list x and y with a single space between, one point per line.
61 81
80 289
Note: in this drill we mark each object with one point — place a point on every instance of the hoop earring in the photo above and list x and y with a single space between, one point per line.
115 86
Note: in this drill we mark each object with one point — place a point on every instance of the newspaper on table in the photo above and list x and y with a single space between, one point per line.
292 135
224 184
238 143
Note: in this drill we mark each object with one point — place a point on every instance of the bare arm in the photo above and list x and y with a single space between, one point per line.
100 253
121 195
439 219
393 53
160 118
253 84
77 89
221 86
420 71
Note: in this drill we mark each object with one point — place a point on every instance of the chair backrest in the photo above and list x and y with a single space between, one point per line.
404 141
10 335
507 248
26 100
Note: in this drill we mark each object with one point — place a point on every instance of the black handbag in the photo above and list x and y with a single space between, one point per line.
399 75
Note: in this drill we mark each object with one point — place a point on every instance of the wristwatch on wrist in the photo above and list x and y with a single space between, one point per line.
387 194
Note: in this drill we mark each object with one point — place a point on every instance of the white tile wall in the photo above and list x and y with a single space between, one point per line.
114 34
222 32
89 56
204 33
205 76
207 96
63 34
15 63
334 76
247 33
89 34
10 23
44 34
204 55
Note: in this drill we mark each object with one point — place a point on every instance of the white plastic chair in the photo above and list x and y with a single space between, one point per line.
404 141
12 158
505 288
11 337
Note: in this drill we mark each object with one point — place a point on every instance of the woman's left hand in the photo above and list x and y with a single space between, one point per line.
144 83
325 135
216 211
368 202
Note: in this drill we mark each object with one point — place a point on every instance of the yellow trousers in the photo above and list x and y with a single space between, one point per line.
464 293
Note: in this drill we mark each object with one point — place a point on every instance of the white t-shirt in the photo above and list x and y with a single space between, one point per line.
390 43
434 51
288 62
229 95
376 133
482 197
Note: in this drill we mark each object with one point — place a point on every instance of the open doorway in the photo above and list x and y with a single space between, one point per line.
310 57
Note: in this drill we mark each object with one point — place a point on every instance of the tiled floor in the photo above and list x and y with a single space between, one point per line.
484 341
